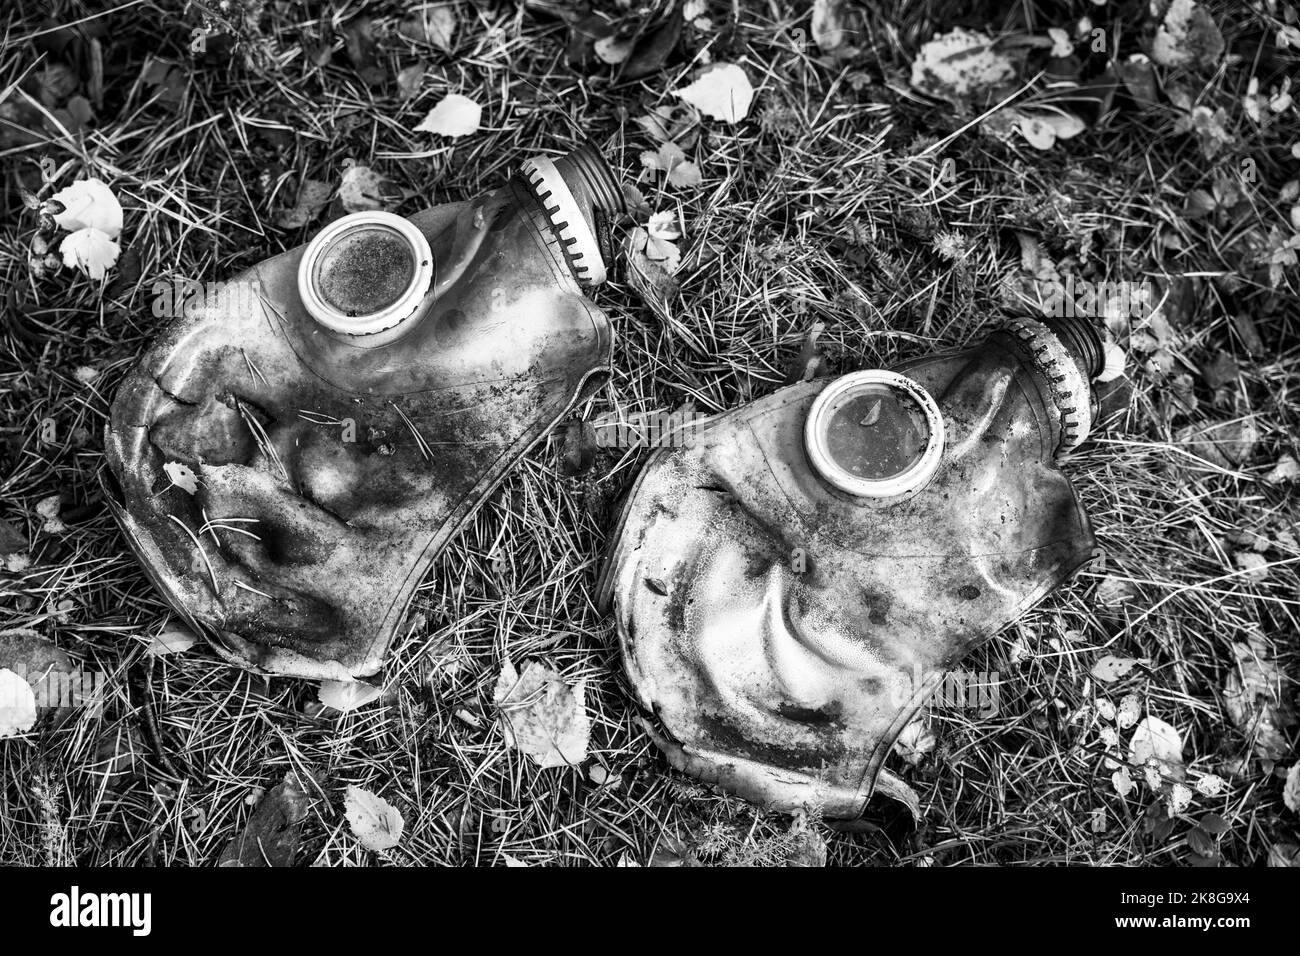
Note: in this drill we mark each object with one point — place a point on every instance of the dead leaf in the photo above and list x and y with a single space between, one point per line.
359 42
48 508
172 639
434 24
543 716
1130 709
453 116
1111 668
1122 782
914 742
1153 739
1291 792
271 835
828 29
89 250
961 66
374 821
363 189
181 475
1286 469
89 204
1252 697
1187 37
346 695
313 195
671 159
722 91
409 80
17 704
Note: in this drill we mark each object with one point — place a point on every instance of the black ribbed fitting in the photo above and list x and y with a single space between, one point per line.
585 165
1083 340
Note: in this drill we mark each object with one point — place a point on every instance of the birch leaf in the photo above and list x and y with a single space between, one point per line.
374 821
89 204
17 704
543 716
453 116
90 250
722 91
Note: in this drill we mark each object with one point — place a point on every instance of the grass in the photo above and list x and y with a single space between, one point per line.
820 207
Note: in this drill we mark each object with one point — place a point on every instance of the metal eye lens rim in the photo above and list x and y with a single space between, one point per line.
400 309
816 441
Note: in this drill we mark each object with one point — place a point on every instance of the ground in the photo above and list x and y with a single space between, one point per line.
832 203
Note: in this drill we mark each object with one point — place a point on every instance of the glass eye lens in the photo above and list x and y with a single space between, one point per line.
877 432
365 270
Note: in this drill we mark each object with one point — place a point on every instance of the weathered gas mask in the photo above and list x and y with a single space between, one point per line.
791 586
293 452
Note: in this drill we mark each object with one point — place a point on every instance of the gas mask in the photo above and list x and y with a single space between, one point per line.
291 454
793 584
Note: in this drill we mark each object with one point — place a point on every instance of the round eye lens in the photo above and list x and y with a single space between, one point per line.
875 434
365 273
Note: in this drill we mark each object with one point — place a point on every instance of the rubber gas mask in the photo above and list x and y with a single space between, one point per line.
291 454
792 585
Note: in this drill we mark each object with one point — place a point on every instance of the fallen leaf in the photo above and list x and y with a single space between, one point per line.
1291 792
1286 469
1130 709
614 49
1254 564
1113 591
1042 128
359 44
1111 668
722 91
1115 360
431 23
89 204
959 66
1252 697
1062 46
672 160
1105 710
182 476
543 716
409 80
1180 798
17 704
1187 37
1122 782
828 30
89 250
48 508
454 116
1284 854
312 198
1155 739
172 639
271 835
1210 785
914 742
362 189
346 695
374 821
1139 78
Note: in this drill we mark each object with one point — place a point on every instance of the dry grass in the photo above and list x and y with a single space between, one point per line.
819 208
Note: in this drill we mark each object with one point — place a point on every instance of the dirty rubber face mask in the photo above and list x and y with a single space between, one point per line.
344 408
792 584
